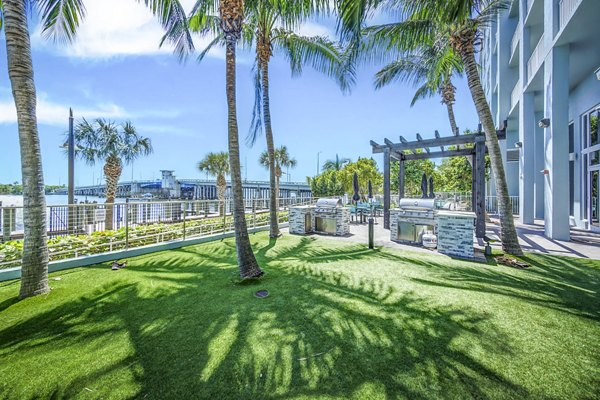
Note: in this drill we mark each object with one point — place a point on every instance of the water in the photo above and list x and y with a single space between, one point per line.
53 200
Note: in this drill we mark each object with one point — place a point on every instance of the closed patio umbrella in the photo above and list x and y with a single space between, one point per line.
356 196
424 186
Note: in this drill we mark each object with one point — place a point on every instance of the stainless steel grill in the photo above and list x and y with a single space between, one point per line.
415 217
327 215
328 206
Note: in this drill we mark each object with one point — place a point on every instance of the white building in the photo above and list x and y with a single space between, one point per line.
540 66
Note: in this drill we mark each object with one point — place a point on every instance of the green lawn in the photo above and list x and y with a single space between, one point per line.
341 322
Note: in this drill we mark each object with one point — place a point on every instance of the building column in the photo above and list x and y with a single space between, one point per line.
539 166
526 158
556 143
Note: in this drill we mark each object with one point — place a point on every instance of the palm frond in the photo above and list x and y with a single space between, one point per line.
320 53
256 126
423 92
60 18
171 16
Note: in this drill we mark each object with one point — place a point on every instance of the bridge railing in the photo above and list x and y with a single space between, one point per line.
86 229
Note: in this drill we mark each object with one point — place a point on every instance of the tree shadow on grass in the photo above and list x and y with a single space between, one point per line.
182 330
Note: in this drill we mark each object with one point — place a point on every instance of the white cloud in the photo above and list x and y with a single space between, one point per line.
114 28
50 113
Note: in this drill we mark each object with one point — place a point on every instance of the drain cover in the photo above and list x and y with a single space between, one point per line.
262 294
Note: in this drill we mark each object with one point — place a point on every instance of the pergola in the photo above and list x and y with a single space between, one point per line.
405 151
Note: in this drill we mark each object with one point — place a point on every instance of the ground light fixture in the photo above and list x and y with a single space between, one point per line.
518 145
597 72
261 294
544 123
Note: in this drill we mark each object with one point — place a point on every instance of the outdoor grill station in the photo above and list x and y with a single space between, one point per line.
328 217
416 220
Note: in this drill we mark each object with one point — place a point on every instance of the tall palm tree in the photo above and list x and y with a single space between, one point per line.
217 165
269 26
282 160
229 23
461 22
114 145
336 164
60 20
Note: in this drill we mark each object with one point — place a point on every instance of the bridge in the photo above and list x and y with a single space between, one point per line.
197 189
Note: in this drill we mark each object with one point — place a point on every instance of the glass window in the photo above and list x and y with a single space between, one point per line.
594 137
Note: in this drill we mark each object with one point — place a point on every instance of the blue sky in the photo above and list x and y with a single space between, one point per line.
115 70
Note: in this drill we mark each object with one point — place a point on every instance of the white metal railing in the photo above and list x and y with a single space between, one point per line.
515 40
515 95
528 5
81 229
491 204
536 59
566 9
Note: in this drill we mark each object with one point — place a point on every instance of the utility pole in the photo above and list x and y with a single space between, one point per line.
318 164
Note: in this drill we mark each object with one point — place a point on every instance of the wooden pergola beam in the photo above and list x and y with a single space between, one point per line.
440 154
437 136
420 139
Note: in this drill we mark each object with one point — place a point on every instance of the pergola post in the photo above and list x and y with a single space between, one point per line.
479 187
401 173
386 189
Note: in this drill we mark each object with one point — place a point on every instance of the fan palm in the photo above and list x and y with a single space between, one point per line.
227 18
60 20
461 21
282 160
114 145
336 164
269 26
217 165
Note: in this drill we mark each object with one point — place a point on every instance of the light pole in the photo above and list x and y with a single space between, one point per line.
71 145
318 164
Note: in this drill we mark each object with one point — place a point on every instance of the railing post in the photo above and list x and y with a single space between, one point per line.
127 224
184 212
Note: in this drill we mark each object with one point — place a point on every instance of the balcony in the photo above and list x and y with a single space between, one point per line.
514 44
536 59
566 9
515 96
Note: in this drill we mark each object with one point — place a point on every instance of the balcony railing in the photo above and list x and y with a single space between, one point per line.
536 59
515 96
515 40
566 9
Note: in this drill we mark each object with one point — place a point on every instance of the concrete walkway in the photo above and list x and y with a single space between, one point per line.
583 244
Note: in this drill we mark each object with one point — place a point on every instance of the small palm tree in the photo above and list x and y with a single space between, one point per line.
335 165
217 165
115 146
269 27
60 20
282 160
229 24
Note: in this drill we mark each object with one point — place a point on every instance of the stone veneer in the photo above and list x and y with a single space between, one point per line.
455 233
297 220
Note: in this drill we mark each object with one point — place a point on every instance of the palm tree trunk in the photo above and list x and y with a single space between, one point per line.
247 263
34 270
221 189
112 172
452 119
508 233
273 193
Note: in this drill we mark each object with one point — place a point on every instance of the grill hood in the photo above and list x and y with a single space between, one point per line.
329 203
417 204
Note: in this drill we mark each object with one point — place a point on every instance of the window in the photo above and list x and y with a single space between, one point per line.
571 170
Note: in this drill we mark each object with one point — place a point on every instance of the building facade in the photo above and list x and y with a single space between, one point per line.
540 65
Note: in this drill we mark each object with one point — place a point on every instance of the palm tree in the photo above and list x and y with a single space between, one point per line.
230 23
335 165
461 22
114 145
431 68
60 20
270 26
282 160
217 165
